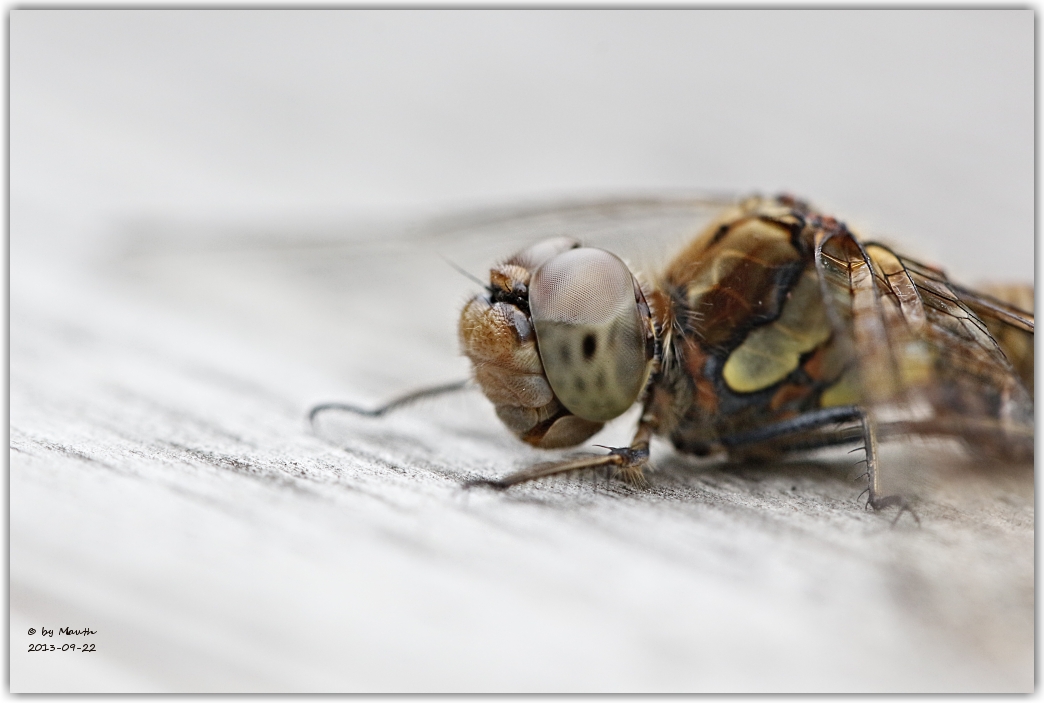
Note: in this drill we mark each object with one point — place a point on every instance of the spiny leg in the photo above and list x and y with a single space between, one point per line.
810 422
624 462
875 500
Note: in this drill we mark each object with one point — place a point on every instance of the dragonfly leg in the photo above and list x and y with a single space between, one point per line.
875 499
391 405
627 463
802 424
801 427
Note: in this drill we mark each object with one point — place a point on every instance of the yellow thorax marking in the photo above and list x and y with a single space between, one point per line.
771 352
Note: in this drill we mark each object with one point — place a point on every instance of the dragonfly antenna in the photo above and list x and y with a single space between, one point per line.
464 273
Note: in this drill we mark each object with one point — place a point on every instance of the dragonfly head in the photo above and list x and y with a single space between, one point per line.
564 331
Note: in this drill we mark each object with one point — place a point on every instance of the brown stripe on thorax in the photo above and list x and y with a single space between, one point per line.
737 273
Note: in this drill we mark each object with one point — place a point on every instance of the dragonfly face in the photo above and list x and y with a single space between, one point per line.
768 329
562 341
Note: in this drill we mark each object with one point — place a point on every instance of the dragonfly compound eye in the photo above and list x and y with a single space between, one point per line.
590 332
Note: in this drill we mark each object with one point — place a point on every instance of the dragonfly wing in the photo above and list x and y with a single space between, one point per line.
925 358
642 230
979 343
1006 310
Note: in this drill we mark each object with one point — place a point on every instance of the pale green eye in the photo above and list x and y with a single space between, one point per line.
590 332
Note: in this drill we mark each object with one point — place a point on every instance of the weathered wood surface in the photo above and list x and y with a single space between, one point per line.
166 491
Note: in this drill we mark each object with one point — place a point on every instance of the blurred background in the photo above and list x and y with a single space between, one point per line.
916 124
219 218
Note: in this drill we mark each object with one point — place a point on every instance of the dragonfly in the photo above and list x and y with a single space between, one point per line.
775 330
